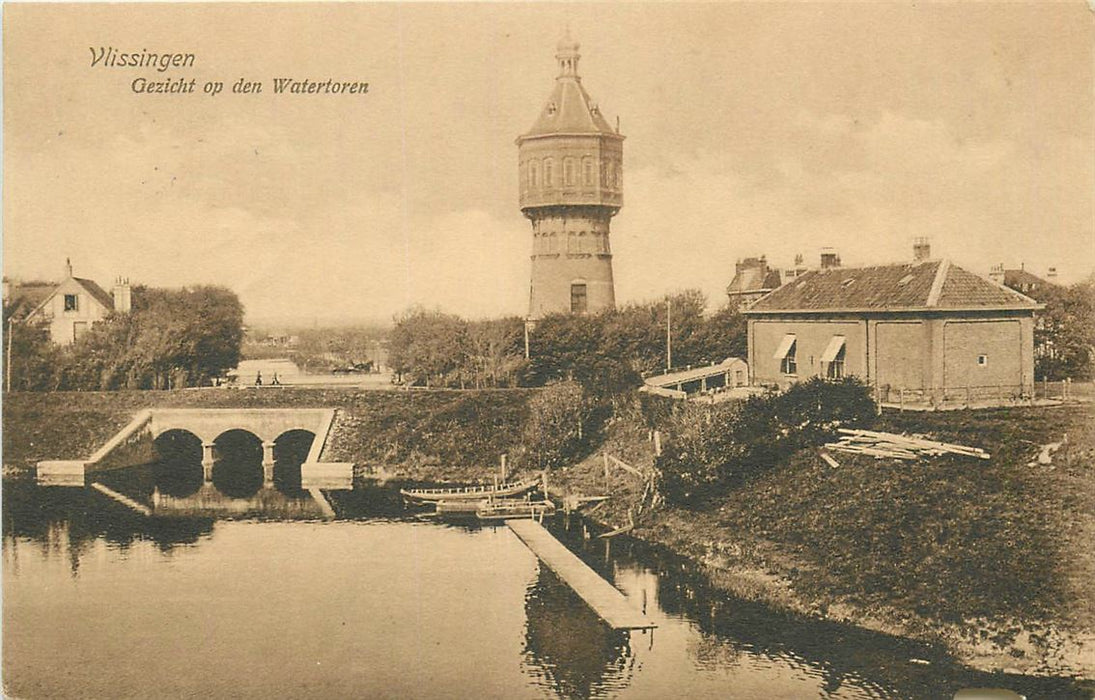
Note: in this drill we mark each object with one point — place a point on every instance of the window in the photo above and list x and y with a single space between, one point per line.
785 353
834 357
836 366
982 360
587 172
578 300
568 171
788 365
549 175
533 169
72 302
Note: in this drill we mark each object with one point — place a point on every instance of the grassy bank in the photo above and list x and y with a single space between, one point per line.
993 557
429 434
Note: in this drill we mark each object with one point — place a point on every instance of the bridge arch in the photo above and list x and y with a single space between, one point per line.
177 470
291 450
238 470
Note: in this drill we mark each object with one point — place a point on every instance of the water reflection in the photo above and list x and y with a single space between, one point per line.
567 647
374 606
237 472
729 632
65 523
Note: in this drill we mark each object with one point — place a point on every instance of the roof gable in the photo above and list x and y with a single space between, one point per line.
75 285
931 284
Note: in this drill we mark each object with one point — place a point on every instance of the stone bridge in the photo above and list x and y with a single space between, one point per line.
134 444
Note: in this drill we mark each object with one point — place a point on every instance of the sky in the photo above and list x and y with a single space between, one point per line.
751 128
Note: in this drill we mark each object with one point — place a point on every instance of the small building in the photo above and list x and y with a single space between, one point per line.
1023 281
71 307
926 330
731 372
753 278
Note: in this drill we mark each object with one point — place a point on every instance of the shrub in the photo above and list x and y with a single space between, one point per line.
711 448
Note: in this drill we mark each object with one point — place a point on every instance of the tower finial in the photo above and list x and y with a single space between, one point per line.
566 52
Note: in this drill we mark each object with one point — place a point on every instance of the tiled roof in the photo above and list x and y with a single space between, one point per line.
962 289
27 297
1015 278
751 280
98 293
930 284
569 110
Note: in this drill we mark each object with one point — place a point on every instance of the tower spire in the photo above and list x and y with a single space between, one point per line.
566 52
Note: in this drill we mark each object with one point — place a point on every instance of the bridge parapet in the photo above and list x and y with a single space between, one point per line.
265 423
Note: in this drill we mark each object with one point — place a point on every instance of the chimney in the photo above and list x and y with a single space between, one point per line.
922 249
829 259
996 274
123 300
1051 275
68 268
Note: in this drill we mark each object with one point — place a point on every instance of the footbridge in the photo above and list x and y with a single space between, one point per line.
135 443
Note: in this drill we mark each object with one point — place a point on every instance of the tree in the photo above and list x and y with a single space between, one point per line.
495 352
1064 332
428 346
28 353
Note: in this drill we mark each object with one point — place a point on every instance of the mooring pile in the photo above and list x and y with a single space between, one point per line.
882 445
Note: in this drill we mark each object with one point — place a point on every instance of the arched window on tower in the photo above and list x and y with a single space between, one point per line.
611 174
549 174
568 172
587 171
533 174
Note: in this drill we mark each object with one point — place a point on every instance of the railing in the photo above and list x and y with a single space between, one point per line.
981 395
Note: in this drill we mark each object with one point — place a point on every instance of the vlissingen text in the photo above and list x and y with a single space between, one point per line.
161 62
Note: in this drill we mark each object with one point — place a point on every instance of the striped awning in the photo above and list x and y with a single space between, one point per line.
785 346
833 348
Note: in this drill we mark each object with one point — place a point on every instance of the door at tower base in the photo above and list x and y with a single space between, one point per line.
570 286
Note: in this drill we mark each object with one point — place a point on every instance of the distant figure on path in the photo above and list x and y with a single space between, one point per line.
275 381
258 378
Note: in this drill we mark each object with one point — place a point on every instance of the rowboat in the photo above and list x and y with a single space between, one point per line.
471 493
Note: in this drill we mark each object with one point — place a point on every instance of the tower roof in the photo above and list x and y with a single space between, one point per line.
569 110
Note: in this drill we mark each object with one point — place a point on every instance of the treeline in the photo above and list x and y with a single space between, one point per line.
172 338
606 353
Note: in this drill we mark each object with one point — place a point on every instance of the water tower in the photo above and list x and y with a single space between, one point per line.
571 184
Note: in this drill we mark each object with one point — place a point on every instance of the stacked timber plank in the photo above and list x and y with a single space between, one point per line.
891 445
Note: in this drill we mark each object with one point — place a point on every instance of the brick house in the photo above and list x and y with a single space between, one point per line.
925 330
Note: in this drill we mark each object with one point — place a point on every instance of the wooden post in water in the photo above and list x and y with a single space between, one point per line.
605 455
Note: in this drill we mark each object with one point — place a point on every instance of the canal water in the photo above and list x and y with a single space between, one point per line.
257 596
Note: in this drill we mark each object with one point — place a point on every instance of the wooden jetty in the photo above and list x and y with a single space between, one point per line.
598 593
